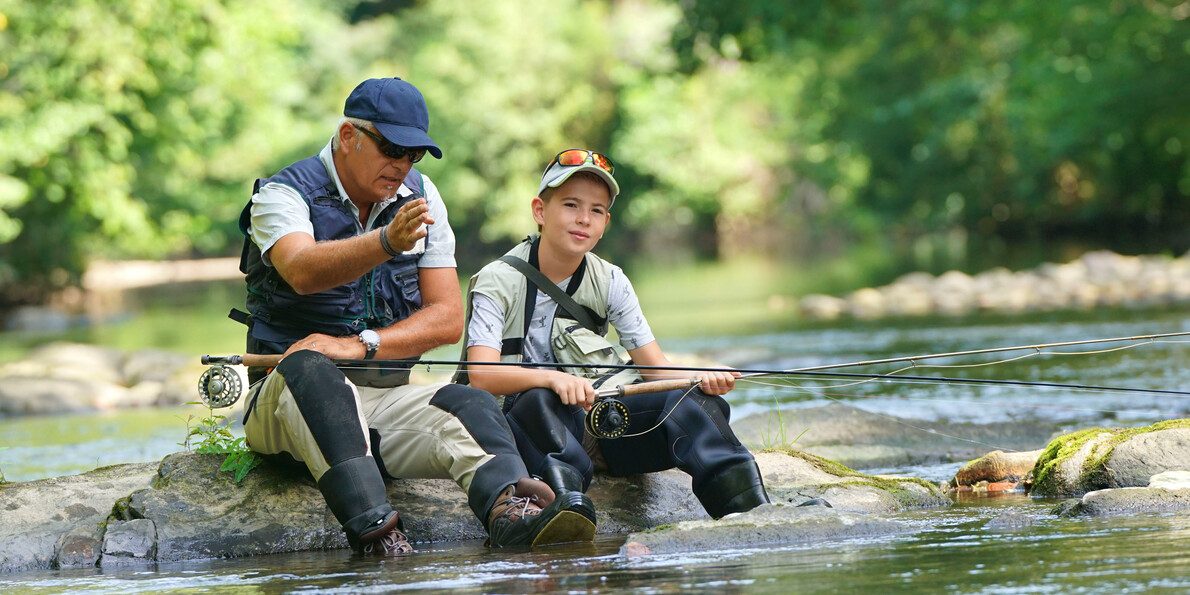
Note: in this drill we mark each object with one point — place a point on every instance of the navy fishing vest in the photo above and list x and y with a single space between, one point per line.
279 316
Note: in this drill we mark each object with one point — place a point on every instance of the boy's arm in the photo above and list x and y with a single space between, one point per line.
711 383
509 380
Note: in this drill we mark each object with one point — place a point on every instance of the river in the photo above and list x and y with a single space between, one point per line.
994 545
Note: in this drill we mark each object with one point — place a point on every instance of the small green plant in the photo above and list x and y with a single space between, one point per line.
779 440
210 435
2 480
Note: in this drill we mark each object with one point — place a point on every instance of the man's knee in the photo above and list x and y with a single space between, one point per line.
327 404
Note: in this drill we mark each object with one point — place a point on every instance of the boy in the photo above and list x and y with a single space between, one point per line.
546 407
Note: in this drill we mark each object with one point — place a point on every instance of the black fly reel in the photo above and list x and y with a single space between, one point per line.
608 418
220 386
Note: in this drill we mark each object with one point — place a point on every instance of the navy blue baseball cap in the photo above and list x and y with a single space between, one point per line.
398 111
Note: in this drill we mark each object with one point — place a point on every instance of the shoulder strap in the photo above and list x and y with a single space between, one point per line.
542 282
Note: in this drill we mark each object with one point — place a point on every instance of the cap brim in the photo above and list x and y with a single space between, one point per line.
408 136
557 175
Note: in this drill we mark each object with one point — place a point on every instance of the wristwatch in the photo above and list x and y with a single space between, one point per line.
371 341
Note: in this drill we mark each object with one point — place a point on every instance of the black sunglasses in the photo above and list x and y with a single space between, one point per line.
391 150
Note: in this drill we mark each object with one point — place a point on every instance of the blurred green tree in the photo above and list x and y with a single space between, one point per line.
136 128
1009 120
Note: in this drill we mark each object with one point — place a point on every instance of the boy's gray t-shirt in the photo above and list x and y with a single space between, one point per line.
487 320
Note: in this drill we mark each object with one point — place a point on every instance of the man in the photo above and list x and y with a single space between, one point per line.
529 307
349 255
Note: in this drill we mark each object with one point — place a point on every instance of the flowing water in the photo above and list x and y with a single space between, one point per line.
995 545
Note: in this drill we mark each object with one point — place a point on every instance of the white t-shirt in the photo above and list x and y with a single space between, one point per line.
486 328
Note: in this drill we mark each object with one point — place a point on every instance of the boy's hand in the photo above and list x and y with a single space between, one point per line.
573 390
716 383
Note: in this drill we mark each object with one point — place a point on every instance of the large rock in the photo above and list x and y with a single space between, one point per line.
1098 458
863 440
184 508
59 522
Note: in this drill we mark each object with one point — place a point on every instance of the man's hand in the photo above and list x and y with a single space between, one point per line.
408 226
572 389
716 383
333 347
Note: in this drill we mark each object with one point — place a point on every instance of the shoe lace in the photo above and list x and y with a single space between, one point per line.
393 542
517 507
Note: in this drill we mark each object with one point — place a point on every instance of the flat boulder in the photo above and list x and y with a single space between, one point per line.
812 500
766 525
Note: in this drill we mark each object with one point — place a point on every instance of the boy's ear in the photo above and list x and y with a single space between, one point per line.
538 210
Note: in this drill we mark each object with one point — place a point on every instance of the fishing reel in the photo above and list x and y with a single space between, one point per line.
608 418
220 386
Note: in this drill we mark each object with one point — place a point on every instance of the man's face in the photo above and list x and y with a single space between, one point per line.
575 216
368 174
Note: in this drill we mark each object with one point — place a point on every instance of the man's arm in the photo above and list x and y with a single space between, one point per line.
310 267
439 321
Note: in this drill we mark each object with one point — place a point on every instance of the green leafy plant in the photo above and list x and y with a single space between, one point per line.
2 480
210 435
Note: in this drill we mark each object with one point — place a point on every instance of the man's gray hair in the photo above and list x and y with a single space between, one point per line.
358 123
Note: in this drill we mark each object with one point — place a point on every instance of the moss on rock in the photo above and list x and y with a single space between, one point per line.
1093 472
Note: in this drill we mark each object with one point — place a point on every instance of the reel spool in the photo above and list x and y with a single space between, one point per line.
608 418
220 386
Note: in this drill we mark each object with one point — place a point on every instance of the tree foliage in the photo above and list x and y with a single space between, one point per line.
136 128
994 119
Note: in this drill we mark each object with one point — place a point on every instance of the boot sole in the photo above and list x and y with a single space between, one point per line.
565 527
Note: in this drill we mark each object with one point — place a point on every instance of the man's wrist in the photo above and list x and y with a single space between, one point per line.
384 241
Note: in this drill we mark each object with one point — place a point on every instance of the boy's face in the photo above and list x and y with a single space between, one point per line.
574 217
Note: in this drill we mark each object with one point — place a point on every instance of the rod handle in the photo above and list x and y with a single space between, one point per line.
248 359
653 386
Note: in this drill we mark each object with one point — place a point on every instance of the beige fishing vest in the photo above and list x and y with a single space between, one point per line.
507 287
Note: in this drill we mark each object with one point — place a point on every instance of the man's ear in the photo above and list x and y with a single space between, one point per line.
347 135
538 210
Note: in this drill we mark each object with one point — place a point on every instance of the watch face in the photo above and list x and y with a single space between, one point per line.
370 338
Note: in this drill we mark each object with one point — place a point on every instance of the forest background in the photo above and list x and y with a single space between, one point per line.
905 135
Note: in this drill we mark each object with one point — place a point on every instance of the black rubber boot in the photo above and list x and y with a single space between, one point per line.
568 485
736 489
355 493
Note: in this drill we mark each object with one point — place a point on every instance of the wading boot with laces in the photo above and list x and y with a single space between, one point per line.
386 540
532 519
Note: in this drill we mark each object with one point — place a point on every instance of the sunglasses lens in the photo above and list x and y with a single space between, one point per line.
572 157
603 162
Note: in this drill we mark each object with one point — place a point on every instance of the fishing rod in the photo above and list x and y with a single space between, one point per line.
1037 347
221 387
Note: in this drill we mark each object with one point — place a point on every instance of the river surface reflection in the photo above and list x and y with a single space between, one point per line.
1006 544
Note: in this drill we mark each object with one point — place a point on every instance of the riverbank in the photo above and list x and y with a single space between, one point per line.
1095 279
